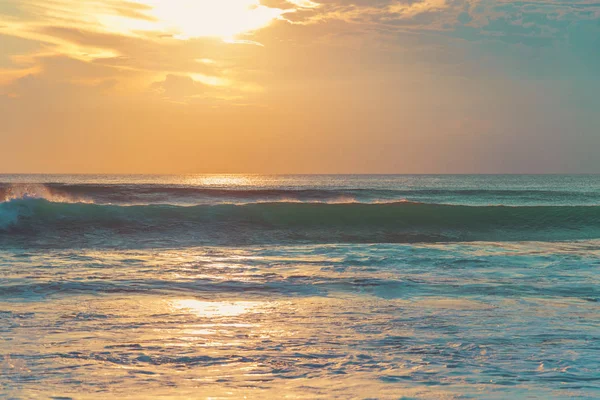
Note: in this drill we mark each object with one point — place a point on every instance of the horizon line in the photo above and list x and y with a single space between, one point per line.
294 173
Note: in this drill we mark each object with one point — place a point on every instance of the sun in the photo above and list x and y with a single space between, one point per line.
224 19
229 20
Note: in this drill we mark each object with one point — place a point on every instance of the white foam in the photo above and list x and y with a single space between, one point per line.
38 191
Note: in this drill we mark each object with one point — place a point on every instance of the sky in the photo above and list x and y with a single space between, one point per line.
299 86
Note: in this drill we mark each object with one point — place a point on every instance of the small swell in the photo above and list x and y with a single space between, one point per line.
137 194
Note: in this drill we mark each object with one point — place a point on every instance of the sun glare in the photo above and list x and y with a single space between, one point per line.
225 19
215 308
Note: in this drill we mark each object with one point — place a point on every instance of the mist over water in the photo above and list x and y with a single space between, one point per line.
300 286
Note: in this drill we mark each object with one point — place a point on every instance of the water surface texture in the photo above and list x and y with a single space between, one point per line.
437 287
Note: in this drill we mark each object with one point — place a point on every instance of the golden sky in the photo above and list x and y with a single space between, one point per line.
298 86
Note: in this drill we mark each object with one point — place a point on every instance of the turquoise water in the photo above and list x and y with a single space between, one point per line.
300 287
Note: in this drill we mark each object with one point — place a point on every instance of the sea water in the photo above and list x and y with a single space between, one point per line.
233 286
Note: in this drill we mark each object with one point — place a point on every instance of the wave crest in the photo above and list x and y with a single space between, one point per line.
21 191
281 223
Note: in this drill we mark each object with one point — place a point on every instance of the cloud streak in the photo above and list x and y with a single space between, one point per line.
141 35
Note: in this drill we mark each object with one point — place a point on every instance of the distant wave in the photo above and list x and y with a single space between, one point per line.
284 222
189 195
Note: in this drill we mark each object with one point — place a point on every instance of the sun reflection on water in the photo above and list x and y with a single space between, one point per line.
216 308
230 181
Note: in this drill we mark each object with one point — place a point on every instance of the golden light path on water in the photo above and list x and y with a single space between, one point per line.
216 309
209 349
230 181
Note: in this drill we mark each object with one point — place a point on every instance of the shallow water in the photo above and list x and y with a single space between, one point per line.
437 321
278 319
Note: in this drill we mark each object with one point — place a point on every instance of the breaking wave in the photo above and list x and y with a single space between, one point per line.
284 222
39 191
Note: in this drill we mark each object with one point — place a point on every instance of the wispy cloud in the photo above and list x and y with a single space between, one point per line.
154 39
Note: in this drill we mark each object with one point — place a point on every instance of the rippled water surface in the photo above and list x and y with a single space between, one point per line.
425 321
300 287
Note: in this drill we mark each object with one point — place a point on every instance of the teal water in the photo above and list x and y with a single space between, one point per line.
387 287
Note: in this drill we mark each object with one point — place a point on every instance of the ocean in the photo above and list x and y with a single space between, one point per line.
300 286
